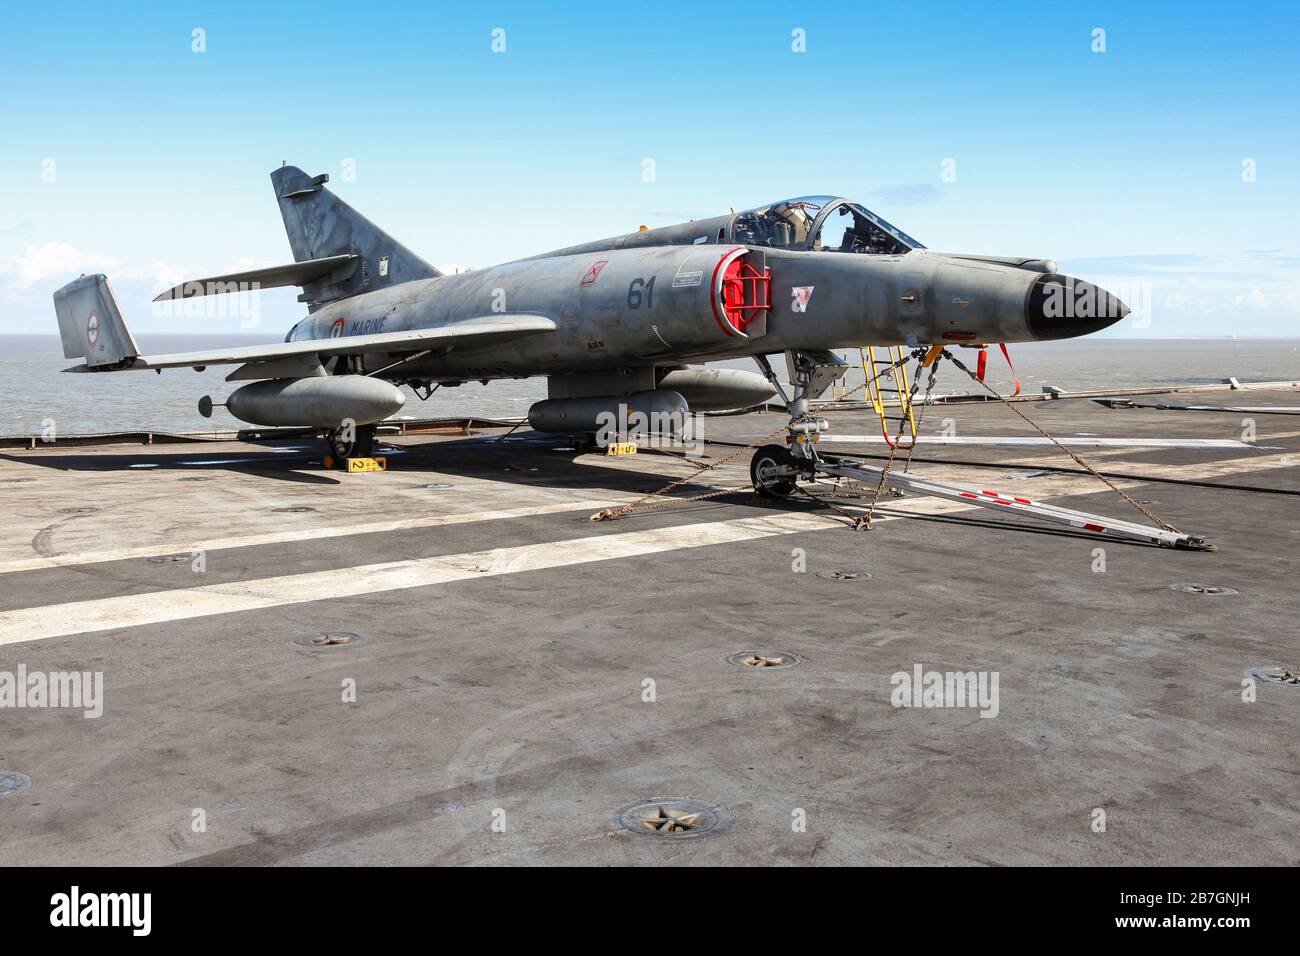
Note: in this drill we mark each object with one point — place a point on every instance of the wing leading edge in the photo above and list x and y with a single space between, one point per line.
303 273
92 327
470 332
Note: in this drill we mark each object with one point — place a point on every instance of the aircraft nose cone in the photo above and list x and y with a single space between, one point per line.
1062 307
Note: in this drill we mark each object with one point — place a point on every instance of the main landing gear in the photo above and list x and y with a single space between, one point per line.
357 441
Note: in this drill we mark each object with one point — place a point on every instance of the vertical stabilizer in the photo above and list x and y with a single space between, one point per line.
320 224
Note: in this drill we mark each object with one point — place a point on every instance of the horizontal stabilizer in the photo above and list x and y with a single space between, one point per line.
338 268
469 333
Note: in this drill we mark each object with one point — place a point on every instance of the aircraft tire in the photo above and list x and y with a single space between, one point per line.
773 471
362 444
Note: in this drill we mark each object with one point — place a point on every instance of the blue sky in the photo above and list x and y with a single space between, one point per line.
1125 165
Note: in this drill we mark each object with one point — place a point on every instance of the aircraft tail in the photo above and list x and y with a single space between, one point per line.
91 325
321 225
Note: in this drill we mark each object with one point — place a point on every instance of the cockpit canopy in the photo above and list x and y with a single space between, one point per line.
821 224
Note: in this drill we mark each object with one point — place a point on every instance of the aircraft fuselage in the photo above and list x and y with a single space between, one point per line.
667 305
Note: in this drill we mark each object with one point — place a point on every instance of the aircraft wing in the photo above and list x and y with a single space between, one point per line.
469 332
296 273
91 327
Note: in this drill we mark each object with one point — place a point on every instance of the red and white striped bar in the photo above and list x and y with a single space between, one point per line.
1084 521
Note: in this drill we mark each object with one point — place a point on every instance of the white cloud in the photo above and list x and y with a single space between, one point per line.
162 274
53 259
62 262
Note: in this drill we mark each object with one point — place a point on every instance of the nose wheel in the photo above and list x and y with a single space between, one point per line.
773 471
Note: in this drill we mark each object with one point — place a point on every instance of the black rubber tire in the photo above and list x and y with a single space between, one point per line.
768 459
361 446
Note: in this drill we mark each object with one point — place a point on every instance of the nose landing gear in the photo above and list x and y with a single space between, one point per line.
773 470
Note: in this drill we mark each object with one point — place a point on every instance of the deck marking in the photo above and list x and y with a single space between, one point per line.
301 534
38 623
106 614
1068 440
1212 469
1195 471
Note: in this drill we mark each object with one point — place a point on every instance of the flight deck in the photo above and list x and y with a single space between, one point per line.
448 662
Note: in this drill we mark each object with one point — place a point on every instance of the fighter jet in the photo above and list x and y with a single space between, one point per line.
619 323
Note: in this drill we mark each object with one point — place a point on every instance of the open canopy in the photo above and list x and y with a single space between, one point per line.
821 224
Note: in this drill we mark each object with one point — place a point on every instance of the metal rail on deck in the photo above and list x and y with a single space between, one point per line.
1016 504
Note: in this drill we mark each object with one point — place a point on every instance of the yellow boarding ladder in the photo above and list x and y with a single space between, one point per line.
899 429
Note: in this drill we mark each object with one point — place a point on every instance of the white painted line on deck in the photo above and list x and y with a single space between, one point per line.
1196 471
1067 440
31 624
301 534
106 614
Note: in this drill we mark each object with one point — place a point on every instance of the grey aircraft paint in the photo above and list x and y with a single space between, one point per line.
608 318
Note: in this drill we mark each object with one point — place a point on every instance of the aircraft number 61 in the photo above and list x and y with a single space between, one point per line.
635 295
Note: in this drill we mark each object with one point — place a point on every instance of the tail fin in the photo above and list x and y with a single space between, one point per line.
91 325
320 225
